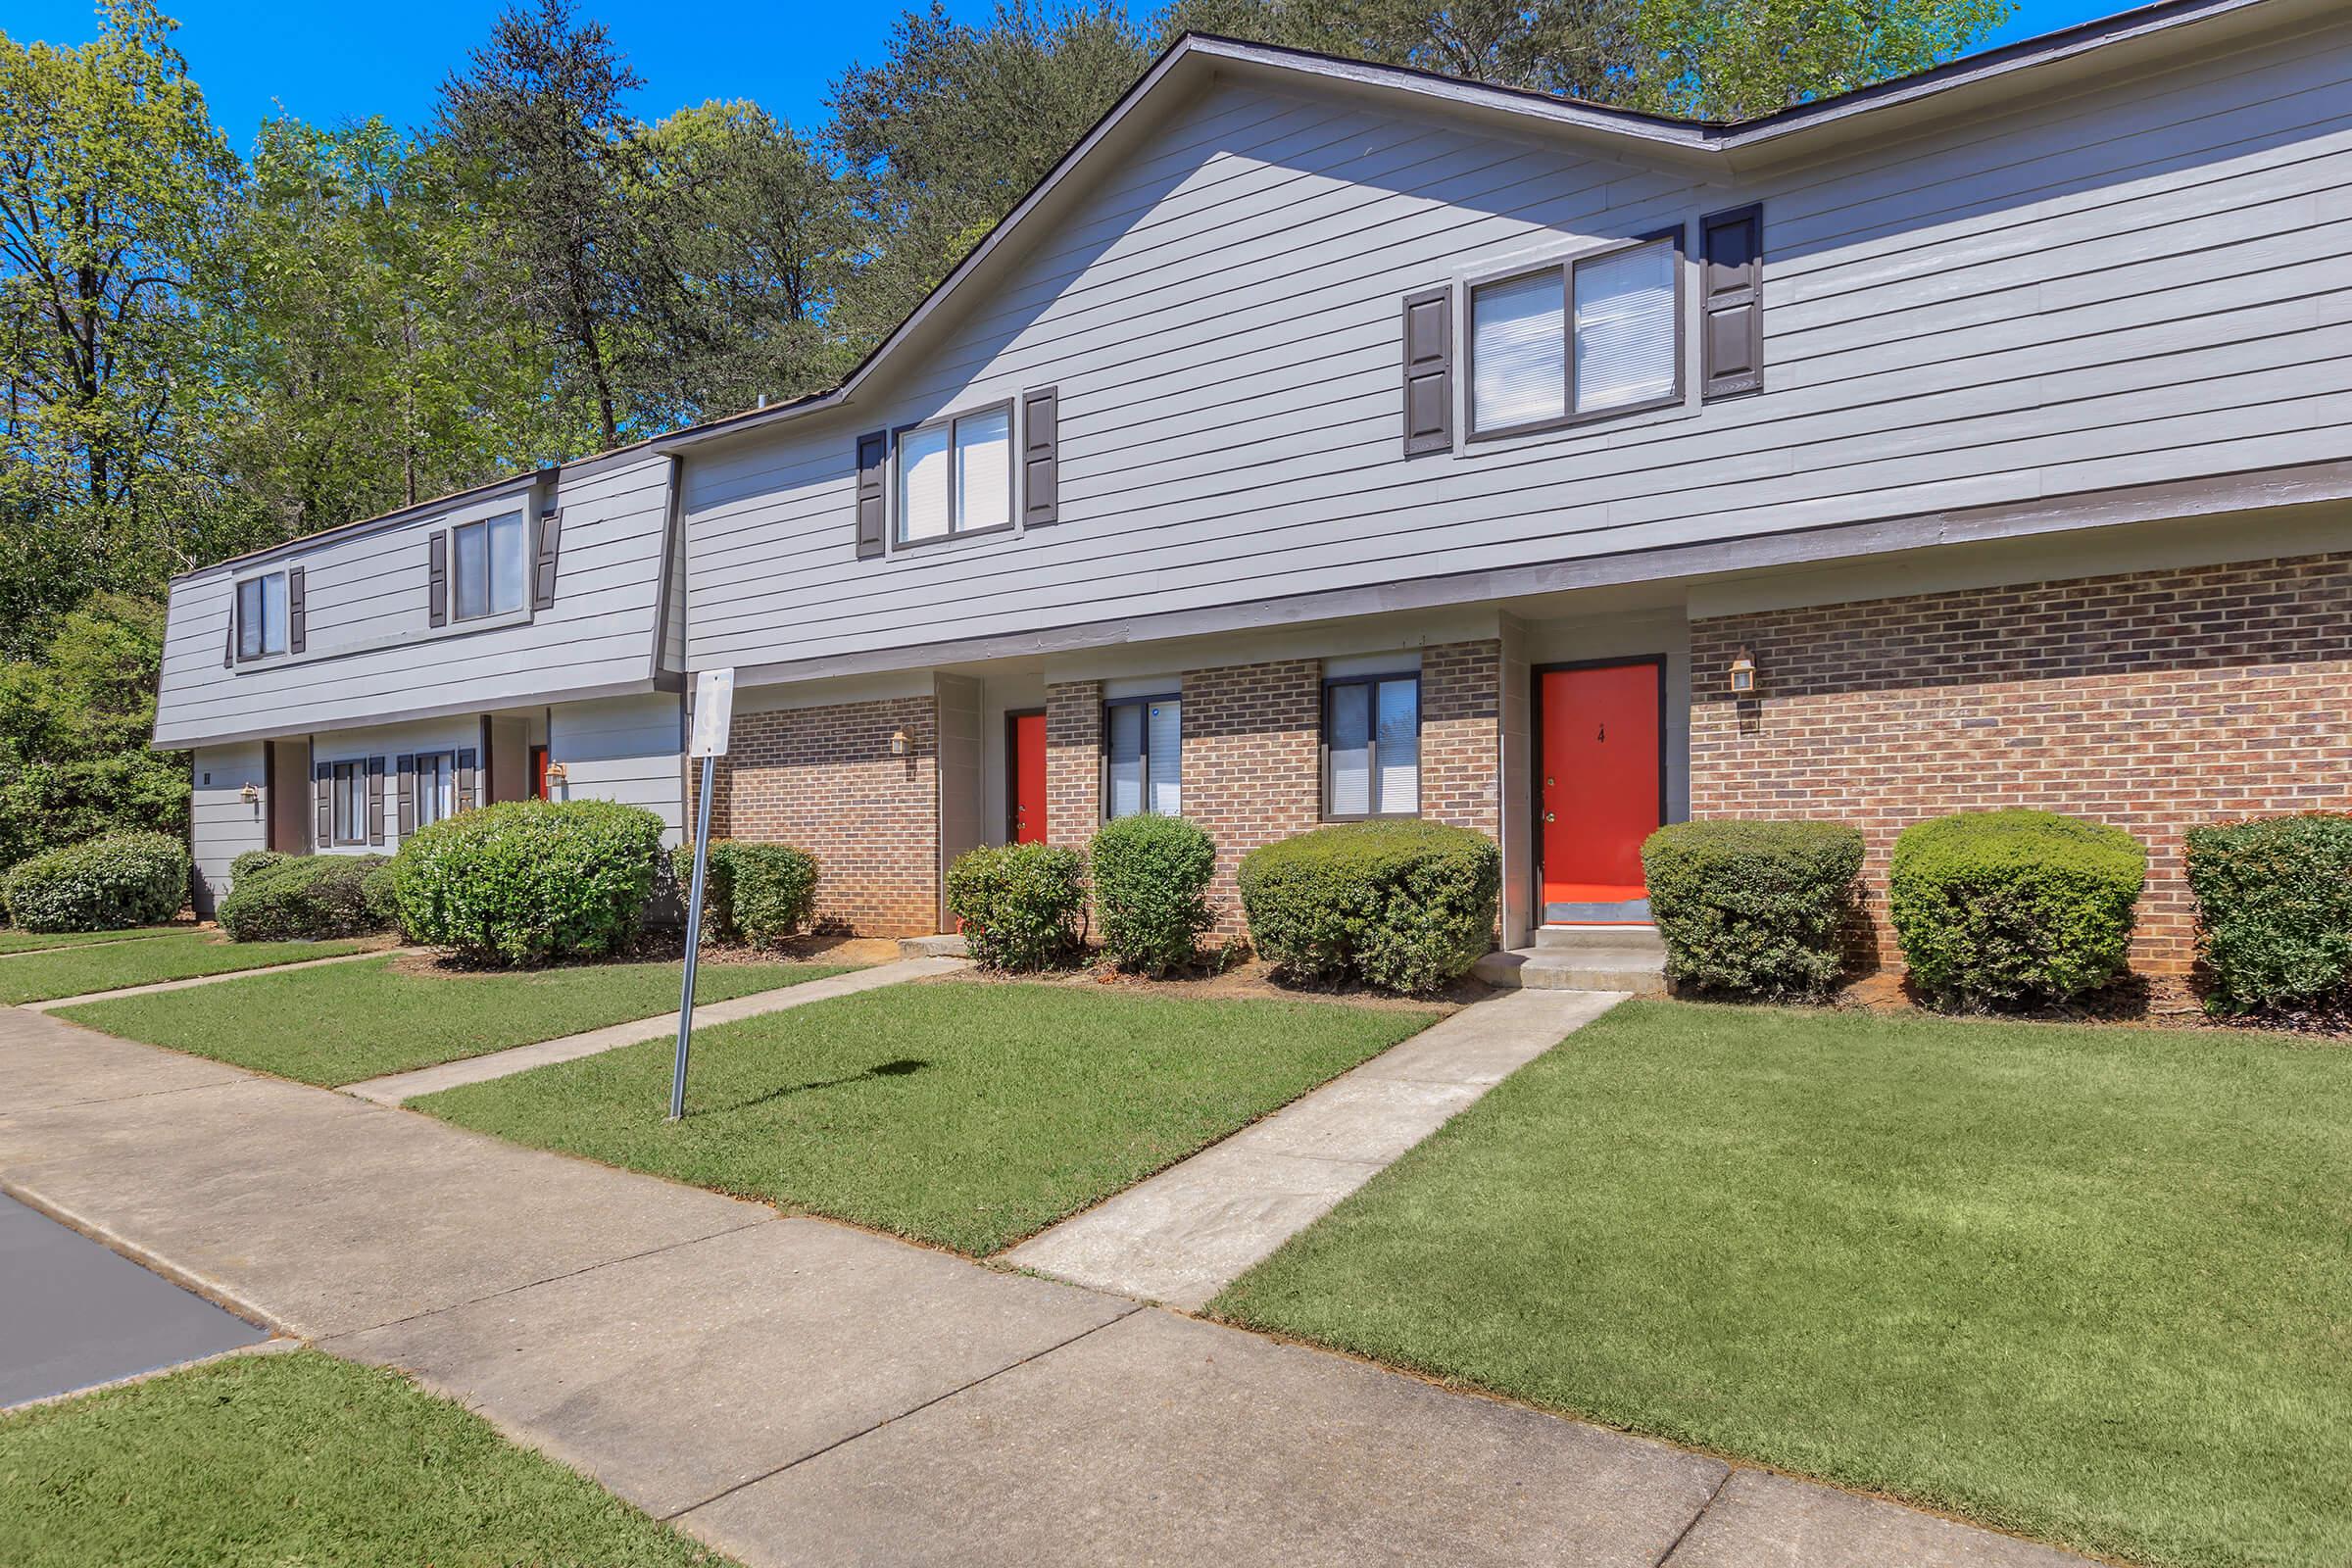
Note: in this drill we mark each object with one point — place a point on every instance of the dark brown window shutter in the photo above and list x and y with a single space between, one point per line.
294 596
1732 301
466 760
1428 371
375 799
1041 501
437 581
324 773
543 575
406 765
873 489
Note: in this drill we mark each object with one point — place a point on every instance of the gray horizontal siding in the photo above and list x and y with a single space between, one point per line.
2137 285
374 654
222 825
624 749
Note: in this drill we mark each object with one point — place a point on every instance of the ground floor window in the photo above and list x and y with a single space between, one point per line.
1371 746
1144 760
350 796
436 787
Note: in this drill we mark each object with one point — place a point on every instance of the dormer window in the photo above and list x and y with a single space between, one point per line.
262 616
490 569
1595 335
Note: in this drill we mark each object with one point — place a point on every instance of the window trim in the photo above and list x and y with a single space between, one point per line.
1012 475
285 574
1145 702
1371 747
1566 265
358 769
529 515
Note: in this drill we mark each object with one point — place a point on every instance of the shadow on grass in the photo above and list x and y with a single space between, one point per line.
900 1068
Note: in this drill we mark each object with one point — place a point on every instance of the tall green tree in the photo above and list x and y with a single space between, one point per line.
754 228
947 133
112 182
361 369
541 145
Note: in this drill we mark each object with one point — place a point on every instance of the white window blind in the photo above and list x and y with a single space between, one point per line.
923 484
1625 327
1164 762
1348 790
1398 747
1144 764
1518 343
1126 796
508 569
984 470
1372 747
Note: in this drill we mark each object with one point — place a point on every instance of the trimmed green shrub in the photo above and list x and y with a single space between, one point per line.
1151 890
529 881
2274 911
757 893
2005 909
1755 909
1022 905
109 883
1406 907
305 898
379 893
253 860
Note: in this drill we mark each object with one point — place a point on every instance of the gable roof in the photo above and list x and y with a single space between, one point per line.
2136 40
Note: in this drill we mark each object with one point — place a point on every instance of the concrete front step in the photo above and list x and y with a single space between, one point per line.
947 945
1601 939
1639 971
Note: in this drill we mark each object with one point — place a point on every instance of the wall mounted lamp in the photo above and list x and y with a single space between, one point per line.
897 743
1743 673
250 794
557 772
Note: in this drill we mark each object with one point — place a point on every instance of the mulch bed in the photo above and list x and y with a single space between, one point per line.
1251 978
2140 1000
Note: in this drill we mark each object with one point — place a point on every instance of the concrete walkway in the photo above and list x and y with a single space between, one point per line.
394 1088
55 1003
1186 1234
797 1391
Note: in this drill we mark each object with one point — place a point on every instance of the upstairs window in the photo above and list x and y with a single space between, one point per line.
1597 335
1143 757
955 475
489 569
262 615
1371 747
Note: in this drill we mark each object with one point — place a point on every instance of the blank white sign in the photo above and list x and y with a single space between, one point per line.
713 713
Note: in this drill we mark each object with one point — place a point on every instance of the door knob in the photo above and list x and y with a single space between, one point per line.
1548 817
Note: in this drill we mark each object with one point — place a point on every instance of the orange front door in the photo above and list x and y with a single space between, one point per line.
1601 769
1028 825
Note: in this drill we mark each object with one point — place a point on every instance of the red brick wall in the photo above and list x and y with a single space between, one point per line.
1253 762
1073 761
1461 735
2152 699
824 779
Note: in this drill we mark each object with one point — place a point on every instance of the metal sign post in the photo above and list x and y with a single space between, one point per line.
714 712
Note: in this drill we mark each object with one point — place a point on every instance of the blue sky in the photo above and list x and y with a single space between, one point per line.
331 63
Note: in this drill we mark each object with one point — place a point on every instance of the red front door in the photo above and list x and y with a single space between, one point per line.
1028 824
1601 768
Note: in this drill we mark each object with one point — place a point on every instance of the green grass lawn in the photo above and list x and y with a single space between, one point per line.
14 940
2091 1285
269 1461
965 1114
181 956
349 1021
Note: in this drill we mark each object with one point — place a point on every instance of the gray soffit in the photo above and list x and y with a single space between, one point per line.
2258 491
